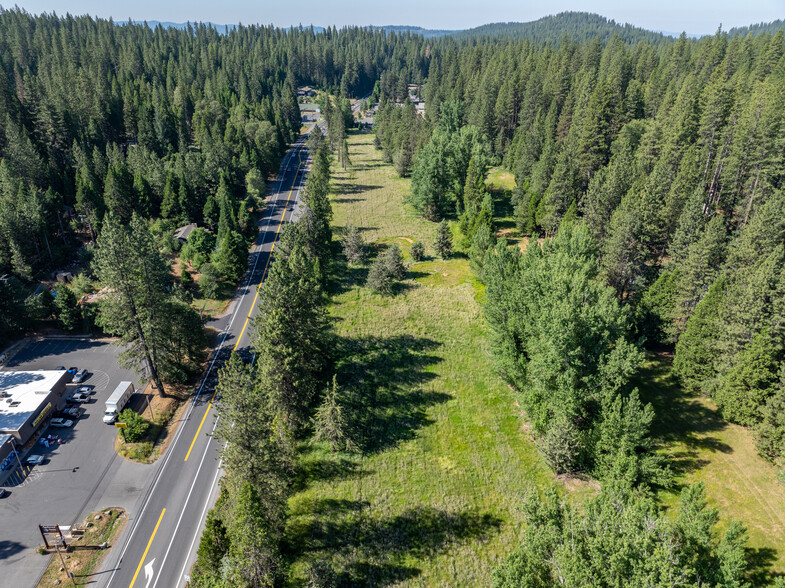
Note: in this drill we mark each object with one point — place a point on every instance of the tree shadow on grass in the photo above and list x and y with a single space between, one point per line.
680 417
759 563
343 275
346 188
370 549
382 379
312 468
367 166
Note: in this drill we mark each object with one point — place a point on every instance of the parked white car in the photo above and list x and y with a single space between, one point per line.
61 423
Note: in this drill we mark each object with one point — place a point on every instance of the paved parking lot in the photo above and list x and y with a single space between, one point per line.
74 472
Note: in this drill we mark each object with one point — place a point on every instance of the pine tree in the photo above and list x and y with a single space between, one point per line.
354 247
289 333
695 356
170 204
443 243
417 251
66 309
128 262
254 552
330 423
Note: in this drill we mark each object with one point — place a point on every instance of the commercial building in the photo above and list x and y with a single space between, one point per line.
27 400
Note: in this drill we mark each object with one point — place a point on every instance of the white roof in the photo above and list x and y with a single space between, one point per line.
26 392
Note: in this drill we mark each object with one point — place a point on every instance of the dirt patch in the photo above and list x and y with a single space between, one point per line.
577 483
88 546
164 415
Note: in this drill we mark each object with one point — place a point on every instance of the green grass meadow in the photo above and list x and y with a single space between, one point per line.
432 497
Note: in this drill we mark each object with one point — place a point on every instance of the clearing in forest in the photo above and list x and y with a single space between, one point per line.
433 499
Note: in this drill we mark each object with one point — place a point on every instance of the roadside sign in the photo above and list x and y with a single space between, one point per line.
121 425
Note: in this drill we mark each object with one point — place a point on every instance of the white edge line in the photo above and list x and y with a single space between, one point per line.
170 451
185 506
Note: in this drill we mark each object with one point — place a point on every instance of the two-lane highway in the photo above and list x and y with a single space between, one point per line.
157 548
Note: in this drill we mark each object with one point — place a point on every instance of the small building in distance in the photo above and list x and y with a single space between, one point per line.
27 400
181 234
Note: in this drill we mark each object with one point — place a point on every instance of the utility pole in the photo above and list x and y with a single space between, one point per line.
150 406
62 561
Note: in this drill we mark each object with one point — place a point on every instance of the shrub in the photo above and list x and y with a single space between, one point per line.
137 426
393 258
81 285
379 278
208 279
561 447
386 271
186 279
66 309
417 251
142 452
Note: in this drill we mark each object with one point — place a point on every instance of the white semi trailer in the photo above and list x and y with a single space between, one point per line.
117 401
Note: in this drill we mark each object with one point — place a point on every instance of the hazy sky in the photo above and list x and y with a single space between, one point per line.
693 16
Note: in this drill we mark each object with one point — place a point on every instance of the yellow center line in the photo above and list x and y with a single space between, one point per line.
149 543
253 304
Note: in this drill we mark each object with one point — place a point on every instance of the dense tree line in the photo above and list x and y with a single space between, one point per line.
655 175
161 122
623 539
670 154
275 402
560 337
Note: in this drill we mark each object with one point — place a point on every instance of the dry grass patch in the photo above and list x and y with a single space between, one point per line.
499 179
164 414
84 556
705 448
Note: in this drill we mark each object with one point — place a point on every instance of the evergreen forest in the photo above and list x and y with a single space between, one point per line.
645 217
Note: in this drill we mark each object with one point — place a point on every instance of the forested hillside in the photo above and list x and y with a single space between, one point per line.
577 26
756 29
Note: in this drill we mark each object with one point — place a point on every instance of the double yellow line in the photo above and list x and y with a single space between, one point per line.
255 298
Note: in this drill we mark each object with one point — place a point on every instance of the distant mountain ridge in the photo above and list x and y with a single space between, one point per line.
759 28
426 33
579 26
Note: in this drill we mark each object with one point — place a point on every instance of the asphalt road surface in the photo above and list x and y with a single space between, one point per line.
79 471
158 546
